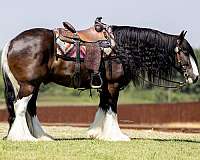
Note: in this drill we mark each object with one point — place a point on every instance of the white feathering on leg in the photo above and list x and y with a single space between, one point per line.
111 130
96 127
38 132
19 130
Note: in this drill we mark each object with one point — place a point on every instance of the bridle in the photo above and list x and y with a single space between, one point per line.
178 50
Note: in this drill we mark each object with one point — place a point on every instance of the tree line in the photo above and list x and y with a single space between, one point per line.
160 95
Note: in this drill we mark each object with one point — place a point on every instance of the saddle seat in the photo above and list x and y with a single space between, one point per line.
69 34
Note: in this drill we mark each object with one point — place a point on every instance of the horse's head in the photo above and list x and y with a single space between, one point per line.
187 62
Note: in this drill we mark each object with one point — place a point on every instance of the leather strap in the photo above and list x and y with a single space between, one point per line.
77 66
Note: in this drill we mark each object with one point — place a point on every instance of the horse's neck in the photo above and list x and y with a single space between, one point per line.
91 34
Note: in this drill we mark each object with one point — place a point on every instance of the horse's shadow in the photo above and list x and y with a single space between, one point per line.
73 139
167 140
132 139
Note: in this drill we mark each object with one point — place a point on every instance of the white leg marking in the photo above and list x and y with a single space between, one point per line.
19 130
6 69
105 127
97 126
194 66
38 132
111 130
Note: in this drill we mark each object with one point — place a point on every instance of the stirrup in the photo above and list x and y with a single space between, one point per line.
96 75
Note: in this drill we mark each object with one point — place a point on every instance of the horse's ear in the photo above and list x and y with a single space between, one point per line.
181 36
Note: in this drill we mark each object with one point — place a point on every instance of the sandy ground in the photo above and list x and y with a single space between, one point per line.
2 106
68 132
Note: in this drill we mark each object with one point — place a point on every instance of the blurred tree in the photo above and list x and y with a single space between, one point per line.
153 94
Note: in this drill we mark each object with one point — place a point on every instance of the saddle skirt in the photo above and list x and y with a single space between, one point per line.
66 46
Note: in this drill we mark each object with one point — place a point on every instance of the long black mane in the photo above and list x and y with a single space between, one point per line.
145 53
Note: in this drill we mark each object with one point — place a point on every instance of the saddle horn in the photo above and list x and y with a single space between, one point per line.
98 24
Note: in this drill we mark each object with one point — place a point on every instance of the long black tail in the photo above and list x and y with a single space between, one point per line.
9 98
9 91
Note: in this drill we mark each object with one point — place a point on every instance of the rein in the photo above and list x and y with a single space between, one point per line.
178 86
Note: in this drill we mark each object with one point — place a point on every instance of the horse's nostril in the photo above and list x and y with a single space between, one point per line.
185 75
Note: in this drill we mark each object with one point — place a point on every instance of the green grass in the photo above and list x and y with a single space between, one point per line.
146 145
98 150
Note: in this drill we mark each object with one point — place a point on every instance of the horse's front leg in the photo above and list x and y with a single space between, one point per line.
105 125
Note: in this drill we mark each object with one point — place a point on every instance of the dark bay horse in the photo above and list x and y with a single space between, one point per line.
29 60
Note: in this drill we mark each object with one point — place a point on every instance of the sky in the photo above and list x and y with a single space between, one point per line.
169 16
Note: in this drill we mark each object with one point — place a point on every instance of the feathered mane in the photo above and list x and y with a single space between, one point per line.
145 53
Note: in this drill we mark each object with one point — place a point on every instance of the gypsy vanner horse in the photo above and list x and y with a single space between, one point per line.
139 54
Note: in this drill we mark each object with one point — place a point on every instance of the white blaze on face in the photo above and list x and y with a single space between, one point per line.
194 66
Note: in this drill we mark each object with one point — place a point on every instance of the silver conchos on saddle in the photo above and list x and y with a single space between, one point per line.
107 31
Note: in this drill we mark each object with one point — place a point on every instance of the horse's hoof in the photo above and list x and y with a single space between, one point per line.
46 138
5 138
93 133
31 139
119 137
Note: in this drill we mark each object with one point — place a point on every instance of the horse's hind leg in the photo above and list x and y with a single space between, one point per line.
16 105
19 129
33 122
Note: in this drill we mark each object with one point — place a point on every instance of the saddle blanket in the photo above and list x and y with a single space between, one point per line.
68 49
90 52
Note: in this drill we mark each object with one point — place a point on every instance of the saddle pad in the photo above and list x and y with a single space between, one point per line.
67 49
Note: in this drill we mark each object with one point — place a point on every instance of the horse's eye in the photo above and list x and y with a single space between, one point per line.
185 53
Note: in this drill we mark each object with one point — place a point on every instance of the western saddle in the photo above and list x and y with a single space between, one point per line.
99 35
